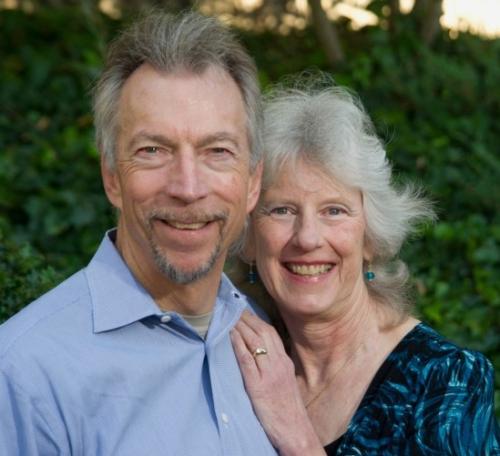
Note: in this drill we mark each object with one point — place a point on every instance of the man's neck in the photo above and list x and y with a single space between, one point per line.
195 298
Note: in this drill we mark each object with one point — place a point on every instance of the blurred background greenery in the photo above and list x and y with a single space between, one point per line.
433 93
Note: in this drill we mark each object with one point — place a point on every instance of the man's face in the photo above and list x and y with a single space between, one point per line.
182 180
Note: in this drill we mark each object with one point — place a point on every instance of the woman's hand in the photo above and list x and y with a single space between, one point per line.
270 383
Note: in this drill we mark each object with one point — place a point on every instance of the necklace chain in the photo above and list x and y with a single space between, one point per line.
330 380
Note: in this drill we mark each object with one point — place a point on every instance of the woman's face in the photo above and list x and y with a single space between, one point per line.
308 233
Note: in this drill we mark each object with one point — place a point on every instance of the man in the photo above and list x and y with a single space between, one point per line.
131 355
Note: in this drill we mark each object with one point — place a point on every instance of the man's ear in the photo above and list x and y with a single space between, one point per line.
111 183
254 184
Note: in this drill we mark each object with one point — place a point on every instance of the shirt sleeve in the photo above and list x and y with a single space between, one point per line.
26 426
455 415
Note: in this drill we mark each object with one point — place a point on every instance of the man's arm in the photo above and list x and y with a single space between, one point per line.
27 427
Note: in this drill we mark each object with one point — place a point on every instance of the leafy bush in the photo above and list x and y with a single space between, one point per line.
50 188
24 276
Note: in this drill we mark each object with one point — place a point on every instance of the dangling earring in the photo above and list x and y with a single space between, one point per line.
369 274
252 274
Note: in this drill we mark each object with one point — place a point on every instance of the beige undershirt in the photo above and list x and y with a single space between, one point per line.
200 323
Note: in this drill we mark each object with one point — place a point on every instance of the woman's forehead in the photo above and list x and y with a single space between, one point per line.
300 176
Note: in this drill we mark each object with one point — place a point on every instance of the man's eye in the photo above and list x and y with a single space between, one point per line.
150 150
282 210
220 150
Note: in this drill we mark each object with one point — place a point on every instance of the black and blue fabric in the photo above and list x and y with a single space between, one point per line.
429 397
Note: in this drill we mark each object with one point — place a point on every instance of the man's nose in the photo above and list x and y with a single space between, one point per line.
186 180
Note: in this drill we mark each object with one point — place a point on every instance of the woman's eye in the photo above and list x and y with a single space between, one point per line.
220 151
335 210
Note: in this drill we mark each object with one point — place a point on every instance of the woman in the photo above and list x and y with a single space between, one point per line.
362 375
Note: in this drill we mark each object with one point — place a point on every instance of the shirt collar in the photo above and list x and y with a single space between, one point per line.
118 299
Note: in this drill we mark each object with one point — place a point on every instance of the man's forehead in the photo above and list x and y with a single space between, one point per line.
211 74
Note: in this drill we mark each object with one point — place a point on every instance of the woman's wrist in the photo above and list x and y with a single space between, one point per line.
304 442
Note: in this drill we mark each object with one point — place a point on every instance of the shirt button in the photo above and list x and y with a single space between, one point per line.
165 318
236 295
225 418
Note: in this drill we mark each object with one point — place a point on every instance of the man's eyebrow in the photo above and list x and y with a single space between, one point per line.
154 138
219 136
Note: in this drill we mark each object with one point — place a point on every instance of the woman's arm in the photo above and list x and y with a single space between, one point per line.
270 383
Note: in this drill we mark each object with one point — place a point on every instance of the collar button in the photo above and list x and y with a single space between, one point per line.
165 318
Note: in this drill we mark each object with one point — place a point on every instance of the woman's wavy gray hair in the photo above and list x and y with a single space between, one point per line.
327 126
188 41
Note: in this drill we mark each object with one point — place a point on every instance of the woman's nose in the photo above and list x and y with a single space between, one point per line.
307 235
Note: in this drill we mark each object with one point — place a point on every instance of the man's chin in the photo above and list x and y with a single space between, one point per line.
185 274
187 268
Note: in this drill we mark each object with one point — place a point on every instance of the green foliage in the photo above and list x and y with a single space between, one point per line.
24 276
436 109
50 189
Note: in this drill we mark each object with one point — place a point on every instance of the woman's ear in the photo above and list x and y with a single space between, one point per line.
368 251
248 249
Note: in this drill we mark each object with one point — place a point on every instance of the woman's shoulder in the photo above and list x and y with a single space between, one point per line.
434 394
439 360
454 408
424 364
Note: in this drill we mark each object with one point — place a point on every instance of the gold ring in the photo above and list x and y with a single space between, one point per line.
259 351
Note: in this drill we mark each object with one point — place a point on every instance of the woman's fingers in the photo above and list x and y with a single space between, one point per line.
246 362
261 354
258 345
254 322
270 382
255 331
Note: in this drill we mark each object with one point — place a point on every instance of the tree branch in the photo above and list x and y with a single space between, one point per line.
327 33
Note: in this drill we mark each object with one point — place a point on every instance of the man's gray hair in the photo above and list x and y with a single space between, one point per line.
326 126
188 41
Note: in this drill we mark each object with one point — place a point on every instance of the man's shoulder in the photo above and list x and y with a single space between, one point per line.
236 293
47 314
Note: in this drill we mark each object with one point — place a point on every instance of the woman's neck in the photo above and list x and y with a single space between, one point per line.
320 347
336 358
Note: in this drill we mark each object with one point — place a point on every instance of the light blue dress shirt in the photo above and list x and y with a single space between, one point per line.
94 367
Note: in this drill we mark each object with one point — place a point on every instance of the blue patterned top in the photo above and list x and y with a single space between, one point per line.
429 397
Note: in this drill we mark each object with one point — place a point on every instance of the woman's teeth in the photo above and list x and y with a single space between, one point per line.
309 269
